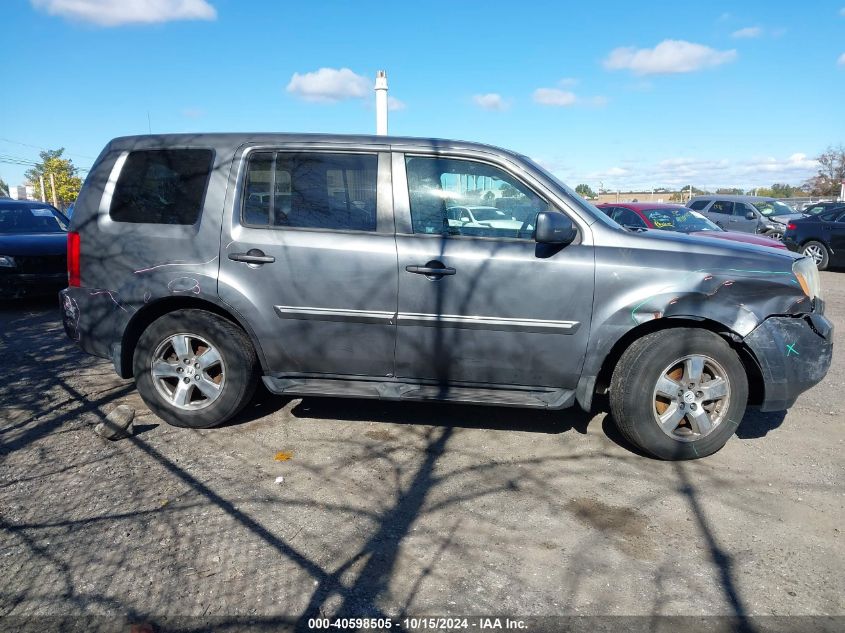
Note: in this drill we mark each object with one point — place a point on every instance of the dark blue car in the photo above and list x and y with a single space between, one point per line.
33 248
821 237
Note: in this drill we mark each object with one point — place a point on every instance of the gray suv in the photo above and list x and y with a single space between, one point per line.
747 214
330 266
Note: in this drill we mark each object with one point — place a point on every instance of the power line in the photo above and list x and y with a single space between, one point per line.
43 149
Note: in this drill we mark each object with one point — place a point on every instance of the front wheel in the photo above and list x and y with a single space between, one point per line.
818 252
194 368
774 234
679 393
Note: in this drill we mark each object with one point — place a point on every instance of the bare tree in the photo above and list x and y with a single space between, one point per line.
831 172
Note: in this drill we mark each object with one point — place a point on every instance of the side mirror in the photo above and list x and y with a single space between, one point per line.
750 215
554 228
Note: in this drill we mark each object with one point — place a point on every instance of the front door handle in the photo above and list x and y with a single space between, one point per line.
252 256
432 271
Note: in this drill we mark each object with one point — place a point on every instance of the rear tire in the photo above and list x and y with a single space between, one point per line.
817 252
195 369
660 406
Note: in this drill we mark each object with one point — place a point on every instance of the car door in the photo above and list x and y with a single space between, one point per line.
836 239
482 304
308 258
739 221
721 212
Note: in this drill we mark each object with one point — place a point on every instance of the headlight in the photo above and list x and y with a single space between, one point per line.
7 262
808 276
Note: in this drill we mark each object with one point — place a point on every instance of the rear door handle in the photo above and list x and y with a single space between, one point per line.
252 256
430 270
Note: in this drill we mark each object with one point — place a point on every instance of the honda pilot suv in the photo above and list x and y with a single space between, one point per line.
331 266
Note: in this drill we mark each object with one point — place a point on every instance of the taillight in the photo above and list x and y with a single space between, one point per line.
73 277
791 227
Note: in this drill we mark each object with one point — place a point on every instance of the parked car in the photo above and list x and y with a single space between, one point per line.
677 217
352 283
821 237
481 217
821 207
33 248
748 214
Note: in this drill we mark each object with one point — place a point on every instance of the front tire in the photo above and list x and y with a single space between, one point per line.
775 235
194 369
679 393
817 252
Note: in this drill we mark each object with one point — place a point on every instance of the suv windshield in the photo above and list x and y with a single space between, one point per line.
681 219
773 207
23 219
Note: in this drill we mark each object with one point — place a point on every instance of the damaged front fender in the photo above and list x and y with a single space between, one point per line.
794 354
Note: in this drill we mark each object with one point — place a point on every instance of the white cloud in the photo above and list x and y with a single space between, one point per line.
490 101
565 98
328 85
394 104
117 12
842 11
748 32
680 171
193 113
554 97
841 60
670 56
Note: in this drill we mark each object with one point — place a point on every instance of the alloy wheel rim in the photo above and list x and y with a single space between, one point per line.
188 372
691 398
815 252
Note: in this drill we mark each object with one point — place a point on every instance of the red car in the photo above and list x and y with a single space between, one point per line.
676 217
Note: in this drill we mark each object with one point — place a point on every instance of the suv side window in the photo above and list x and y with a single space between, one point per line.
698 205
722 206
626 217
311 190
161 186
500 205
741 208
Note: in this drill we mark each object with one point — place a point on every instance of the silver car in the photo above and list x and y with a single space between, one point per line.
328 265
747 214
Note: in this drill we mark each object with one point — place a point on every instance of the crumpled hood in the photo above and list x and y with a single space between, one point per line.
786 217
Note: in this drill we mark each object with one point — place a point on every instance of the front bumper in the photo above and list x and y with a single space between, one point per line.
14 285
794 353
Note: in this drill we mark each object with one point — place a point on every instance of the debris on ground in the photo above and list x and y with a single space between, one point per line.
118 424
283 456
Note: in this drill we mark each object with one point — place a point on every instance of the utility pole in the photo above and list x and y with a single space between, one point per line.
53 186
381 103
43 191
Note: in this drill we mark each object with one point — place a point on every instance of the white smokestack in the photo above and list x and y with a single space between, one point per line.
381 103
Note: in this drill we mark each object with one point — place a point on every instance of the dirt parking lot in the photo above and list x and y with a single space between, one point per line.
401 509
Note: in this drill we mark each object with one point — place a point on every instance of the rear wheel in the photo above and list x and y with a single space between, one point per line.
679 393
818 252
194 368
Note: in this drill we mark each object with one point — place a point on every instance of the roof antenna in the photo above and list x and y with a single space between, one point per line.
149 125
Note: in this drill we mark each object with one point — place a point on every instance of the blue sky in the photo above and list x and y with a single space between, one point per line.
623 94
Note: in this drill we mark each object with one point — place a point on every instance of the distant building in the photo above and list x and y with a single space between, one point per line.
22 192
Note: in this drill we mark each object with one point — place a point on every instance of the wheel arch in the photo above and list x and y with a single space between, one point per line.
590 386
142 319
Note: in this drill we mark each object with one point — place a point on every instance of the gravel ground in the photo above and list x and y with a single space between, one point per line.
401 508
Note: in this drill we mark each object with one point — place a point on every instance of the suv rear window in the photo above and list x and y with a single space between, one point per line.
161 186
